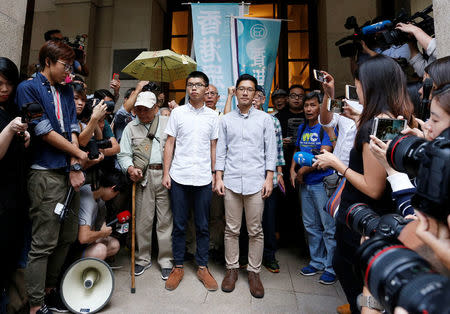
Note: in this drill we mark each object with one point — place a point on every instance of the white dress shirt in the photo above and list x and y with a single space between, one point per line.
193 129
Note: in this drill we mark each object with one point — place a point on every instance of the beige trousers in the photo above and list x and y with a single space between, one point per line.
254 206
151 199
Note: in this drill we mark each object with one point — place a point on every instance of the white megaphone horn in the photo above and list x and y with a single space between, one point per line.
87 285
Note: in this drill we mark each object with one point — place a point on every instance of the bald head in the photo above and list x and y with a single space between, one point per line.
211 97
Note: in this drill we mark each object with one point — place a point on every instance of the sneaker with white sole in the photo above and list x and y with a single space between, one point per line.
327 278
165 272
309 271
139 269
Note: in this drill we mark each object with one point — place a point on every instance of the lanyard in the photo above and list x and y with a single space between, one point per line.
58 114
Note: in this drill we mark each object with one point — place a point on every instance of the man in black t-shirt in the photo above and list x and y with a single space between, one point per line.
290 118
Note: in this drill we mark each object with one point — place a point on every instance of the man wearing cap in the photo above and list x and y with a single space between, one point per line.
279 97
151 196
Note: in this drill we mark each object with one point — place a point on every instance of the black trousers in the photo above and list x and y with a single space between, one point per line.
347 242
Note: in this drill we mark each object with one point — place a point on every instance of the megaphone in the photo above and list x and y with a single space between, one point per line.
87 285
304 159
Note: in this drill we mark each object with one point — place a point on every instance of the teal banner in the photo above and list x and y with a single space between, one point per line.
255 45
212 38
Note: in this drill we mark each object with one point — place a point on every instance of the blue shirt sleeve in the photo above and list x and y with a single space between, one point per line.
26 94
107 132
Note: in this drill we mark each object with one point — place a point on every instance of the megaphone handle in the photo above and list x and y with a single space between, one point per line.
133 236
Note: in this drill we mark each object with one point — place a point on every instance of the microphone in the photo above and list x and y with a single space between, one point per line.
304 159
122 217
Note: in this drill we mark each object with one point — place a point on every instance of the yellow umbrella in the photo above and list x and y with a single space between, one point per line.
164 66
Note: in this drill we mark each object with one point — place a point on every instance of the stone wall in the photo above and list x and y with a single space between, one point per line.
12 21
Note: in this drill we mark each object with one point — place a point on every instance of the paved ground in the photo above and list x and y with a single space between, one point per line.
285 292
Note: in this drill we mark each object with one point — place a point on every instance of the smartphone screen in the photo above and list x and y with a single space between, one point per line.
116 76
387 129
335 105
319 76
350 92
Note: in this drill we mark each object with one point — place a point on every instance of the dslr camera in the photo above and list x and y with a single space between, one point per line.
394 274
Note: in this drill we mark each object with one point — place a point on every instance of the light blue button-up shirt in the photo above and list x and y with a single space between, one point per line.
246 149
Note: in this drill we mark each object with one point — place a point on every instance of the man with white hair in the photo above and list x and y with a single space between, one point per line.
141 156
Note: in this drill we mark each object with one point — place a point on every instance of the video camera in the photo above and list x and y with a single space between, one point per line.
429 163
31 111
383 34
78 45
86 114
94 145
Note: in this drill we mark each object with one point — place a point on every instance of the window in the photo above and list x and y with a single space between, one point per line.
294 48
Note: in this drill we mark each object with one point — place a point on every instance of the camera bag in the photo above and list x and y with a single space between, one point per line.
143 150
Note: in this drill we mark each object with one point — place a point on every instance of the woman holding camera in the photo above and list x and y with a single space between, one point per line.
381 88
13 140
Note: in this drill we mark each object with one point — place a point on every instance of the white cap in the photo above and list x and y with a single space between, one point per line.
146 99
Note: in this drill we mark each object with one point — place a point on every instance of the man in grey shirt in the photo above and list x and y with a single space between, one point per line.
246 155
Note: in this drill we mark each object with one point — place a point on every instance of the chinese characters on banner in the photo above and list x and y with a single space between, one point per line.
254 48
212 38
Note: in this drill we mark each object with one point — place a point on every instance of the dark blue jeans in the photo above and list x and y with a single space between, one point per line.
182 197
269 226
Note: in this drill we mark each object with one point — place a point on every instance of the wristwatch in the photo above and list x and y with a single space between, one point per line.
369 302
76 167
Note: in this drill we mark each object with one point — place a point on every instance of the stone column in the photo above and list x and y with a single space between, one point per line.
441 10
12 21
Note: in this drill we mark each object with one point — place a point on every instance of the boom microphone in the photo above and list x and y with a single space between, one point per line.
122 217
304 159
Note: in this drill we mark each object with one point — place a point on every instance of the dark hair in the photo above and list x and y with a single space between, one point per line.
78 78
442 96
54 50
246 77
48 34
79 89
198 74
314 94
111 178
384 86
128 92
9 71
102 93
439 71
296 86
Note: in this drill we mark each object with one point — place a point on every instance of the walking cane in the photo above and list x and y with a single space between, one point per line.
133 236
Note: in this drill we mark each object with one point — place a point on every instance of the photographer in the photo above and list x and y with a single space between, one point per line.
417 61
122 117
96 241
56 162
381 88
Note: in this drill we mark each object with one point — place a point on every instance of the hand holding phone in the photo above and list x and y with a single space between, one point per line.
387 129
319 76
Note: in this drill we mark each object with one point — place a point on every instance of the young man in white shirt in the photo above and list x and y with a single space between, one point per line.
189 160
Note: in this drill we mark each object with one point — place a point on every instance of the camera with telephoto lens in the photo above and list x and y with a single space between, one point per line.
394 274
398 276
429 163
94 145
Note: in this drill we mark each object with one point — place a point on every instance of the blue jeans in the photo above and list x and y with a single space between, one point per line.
182 196
319 226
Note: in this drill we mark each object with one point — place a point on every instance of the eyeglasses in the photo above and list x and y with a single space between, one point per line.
296 96
67 67
242 89
196 85
211 94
